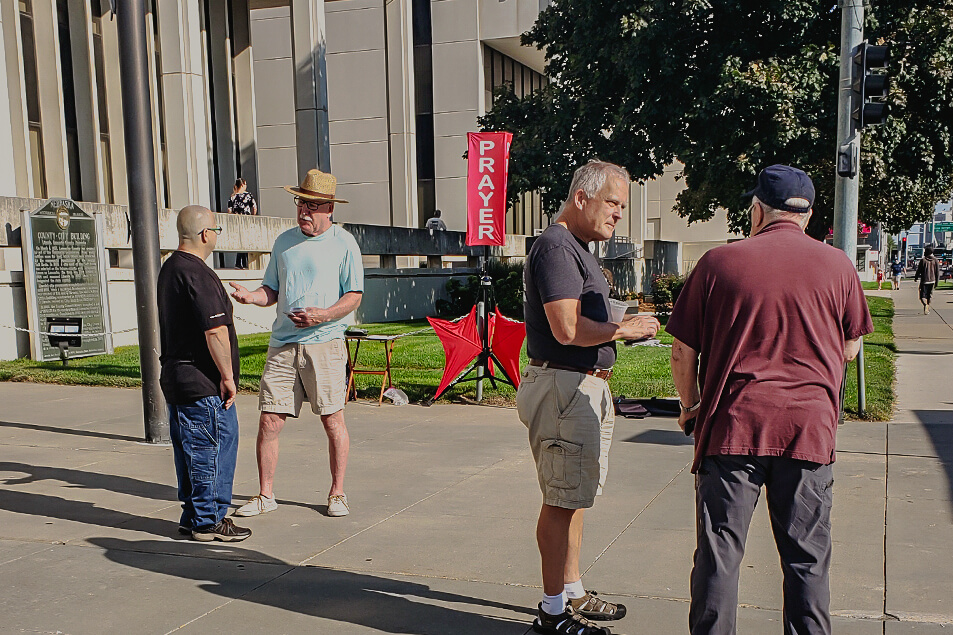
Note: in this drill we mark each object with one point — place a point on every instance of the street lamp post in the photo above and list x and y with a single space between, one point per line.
143 207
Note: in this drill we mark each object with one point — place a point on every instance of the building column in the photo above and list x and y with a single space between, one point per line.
87 106
221 101
184 103
113 88
401 122
309 43
12 136
244 102
50 87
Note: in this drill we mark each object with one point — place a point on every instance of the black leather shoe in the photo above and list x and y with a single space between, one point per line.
226 531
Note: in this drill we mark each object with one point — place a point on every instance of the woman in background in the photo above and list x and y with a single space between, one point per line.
242 202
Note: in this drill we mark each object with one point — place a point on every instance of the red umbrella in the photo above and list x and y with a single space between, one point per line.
462 344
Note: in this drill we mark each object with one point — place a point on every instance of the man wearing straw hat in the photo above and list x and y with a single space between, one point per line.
316 278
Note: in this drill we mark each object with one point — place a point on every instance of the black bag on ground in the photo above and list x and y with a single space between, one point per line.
629 408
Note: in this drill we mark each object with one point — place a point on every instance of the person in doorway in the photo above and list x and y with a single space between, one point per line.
435 222
199 373
242 202
316 278
758 368
563 396
928 273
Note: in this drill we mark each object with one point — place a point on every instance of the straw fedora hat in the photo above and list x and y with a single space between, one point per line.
317 186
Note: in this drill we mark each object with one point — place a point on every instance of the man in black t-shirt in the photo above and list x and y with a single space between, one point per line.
563 397
199 370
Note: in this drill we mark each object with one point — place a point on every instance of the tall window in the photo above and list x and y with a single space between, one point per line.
423 82
104 142
69 100
37 160
499 70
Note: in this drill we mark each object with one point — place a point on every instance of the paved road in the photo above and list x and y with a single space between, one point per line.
444 502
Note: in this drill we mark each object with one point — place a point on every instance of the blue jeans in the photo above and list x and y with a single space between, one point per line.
205 447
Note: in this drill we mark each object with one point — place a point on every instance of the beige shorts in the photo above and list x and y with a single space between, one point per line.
298 372
570 417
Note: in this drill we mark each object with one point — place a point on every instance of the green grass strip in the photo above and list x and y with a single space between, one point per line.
417 366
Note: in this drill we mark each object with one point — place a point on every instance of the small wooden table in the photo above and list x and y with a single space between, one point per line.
354 369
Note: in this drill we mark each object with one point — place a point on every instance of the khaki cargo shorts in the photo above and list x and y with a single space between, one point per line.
570 417
298 372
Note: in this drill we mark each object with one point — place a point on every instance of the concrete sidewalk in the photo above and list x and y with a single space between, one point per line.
441 536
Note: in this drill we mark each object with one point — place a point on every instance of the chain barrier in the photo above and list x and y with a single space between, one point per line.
427 330
424 331
90 335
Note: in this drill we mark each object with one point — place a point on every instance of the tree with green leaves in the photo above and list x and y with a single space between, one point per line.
728 87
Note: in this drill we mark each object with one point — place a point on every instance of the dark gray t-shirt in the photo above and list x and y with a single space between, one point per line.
559 266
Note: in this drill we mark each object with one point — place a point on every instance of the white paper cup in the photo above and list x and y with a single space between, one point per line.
618 309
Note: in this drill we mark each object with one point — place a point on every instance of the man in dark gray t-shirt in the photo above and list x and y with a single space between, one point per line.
563 397
556 253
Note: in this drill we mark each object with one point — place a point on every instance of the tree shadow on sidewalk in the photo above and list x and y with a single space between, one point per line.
65 508
939 425
73 431
379 603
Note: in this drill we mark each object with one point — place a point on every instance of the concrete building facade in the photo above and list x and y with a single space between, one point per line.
238 91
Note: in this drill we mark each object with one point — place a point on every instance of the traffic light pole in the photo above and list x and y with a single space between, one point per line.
847 188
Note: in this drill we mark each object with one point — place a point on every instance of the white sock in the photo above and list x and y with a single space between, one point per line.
574 590
554 604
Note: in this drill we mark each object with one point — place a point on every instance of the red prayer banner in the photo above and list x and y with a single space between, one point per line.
487 167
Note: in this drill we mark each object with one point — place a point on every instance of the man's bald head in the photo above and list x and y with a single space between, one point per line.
192 220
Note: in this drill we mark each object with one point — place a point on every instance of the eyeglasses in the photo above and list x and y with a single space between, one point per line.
217 230
312 206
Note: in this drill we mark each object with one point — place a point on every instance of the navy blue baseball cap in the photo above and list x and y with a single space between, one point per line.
779 183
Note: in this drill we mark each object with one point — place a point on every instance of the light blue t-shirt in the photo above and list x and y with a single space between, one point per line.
312 271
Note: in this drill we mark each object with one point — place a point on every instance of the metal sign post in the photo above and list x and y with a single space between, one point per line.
847 188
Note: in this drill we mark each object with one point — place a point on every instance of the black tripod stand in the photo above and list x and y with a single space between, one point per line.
485 303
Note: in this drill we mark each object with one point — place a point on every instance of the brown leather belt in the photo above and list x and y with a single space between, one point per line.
601 373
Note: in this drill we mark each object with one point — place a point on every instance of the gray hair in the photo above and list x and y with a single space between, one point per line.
780 214
592 177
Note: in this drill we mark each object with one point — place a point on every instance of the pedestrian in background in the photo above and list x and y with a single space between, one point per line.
435 222
896 269
242 202
316 278
928 273
563 397
758 368
200 367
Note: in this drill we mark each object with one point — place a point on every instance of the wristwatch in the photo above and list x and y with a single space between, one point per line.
698 404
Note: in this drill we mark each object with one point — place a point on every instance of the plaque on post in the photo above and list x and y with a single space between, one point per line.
64 269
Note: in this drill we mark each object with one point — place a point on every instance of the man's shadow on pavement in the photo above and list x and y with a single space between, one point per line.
383 604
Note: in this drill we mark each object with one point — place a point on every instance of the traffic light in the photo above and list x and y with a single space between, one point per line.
870 88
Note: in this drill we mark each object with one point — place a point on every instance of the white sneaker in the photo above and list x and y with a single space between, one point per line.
257 505
337 505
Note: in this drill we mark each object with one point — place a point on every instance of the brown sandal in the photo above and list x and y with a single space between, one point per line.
593 608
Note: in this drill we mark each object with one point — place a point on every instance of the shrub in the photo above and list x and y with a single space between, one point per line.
507 289
665 290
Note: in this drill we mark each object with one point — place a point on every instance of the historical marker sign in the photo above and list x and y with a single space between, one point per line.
64 269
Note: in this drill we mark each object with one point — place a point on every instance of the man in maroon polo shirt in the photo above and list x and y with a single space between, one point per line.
762 330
